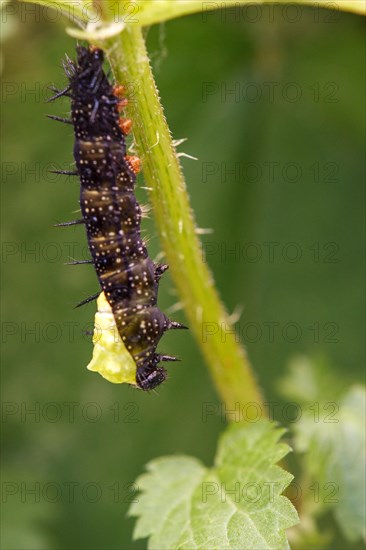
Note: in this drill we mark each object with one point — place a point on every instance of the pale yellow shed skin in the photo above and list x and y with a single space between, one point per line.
110 356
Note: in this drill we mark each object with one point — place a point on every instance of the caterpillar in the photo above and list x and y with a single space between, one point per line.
128 278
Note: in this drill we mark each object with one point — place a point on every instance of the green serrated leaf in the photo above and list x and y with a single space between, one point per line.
331 436
235 504
172 480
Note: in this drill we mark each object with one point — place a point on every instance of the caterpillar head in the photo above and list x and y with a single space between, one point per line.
150 376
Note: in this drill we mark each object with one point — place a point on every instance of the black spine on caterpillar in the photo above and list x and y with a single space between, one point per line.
112 216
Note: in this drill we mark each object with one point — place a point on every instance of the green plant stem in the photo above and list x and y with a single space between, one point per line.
226 359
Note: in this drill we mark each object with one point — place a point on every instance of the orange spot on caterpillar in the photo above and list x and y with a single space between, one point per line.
125 124
134 162
119 90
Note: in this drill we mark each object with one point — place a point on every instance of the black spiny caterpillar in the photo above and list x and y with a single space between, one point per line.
128 278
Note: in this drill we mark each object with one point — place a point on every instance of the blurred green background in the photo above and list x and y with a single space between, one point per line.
294 128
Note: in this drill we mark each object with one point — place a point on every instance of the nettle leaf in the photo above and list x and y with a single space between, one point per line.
237 503
331 437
